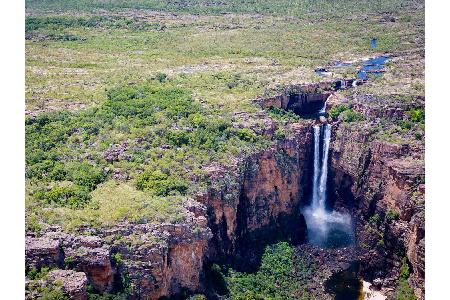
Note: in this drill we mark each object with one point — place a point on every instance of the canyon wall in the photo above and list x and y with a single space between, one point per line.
257 201
252 201
382 184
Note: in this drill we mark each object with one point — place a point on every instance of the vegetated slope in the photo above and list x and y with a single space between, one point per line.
154 134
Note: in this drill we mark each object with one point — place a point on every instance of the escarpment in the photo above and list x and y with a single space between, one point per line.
147 261
382 184
257 201
250 202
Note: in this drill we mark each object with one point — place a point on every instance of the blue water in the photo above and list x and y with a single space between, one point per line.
373 43
371 66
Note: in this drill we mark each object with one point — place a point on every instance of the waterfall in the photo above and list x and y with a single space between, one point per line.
324 170
315 195
325 228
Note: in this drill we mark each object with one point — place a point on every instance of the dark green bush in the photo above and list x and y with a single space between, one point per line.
245 134
392 215
405 124
161 183
418 136
70 196
349 116
161 77
335 111
281 114
86 175
53 293
35 274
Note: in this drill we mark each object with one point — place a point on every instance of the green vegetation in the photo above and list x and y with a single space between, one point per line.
392 215
59 23
155 133
404 290
53 293
299 8
350 116
35 274
345 113
71 196
74 51
281 114
92 295
417 115
335 111
275 278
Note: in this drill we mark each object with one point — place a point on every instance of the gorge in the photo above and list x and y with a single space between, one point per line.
224 150
277 194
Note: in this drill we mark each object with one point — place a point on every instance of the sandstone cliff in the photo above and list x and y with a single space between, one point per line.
382 183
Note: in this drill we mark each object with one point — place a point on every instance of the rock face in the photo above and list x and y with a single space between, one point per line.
382 183
161 260
258 201
148 261
73 283
41 252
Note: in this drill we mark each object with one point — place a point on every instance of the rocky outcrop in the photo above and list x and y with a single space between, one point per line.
73 283
382 183
41 252
147 261
161 260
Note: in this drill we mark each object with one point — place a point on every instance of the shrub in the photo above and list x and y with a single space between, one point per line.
417 115
280 133
418 136
35 274
392 215
375 219
85 174
67 196
54 293
117 258
349 116
335 111
281 114
246 134
405 124
404 290
161 183
161 77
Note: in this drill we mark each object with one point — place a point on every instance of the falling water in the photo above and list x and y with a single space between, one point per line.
324 170
315 196
325 228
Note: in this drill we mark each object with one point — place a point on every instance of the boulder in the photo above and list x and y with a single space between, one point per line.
41 252
72 283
